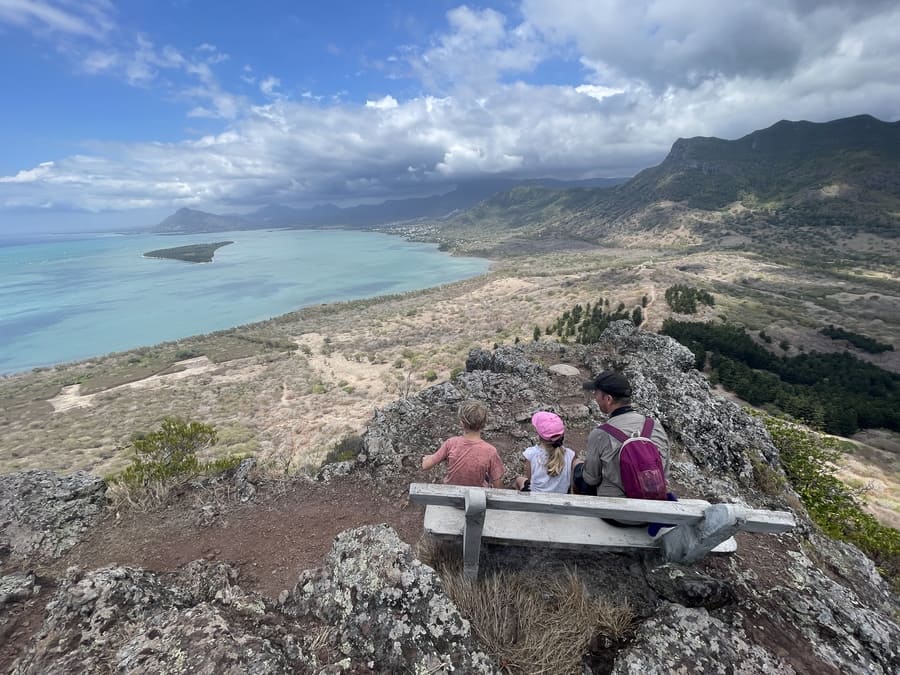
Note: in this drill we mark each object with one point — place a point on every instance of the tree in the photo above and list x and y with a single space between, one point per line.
637 317
169 452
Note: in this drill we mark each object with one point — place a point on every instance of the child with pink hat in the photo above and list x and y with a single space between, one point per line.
548 464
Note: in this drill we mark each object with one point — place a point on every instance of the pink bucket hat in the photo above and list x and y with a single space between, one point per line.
548 425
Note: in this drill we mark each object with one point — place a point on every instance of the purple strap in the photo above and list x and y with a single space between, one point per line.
621 436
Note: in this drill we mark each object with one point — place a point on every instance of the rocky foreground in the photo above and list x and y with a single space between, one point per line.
794 603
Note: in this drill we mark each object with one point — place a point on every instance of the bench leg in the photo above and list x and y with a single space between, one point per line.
476 505
688 543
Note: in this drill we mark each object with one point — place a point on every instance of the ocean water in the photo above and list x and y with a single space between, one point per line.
69 298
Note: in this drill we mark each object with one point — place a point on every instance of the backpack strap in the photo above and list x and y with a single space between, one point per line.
621 436
615 432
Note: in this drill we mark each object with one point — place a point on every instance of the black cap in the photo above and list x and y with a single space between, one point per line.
610 382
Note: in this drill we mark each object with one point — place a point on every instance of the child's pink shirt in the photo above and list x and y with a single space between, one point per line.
470 462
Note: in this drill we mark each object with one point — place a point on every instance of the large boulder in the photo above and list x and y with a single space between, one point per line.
43 514
120 619
388 609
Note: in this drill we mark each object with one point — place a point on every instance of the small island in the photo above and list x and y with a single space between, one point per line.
195 253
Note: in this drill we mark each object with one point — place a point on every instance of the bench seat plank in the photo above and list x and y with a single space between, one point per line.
547 529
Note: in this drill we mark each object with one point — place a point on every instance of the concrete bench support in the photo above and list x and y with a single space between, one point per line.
692 541
476 505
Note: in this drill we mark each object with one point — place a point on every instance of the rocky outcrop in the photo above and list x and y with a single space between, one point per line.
387 608
770 608
791 603
132 621
42 514
373 608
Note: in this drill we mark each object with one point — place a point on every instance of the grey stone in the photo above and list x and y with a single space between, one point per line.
687 586
43 514
682 640
388 608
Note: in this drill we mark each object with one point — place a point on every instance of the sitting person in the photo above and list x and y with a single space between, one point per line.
470 460
548 465
600 473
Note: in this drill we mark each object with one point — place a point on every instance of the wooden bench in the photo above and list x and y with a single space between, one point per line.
574 521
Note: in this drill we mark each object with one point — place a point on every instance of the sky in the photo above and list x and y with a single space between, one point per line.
115 114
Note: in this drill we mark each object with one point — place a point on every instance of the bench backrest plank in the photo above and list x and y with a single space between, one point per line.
641 510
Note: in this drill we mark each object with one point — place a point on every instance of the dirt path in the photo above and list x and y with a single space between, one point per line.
270 541
287 529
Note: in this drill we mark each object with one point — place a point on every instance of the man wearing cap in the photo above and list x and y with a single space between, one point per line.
599 473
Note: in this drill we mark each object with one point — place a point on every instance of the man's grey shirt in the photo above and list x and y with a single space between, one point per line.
601 463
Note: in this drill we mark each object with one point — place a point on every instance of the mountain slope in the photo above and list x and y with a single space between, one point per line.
463 197
836 179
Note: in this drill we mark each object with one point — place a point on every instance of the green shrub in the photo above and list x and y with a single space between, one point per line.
430 376
809 462
169 455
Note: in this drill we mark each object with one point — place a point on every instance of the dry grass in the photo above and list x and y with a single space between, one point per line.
531 624
537 625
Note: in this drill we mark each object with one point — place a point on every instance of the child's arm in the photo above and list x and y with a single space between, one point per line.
527 466
431 461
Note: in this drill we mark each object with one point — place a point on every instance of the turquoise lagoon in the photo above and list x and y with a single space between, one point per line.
74 297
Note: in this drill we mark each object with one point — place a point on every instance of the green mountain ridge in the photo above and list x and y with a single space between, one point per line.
833 180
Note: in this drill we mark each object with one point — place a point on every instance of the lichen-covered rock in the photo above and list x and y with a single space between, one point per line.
387 607
245 489
125 620
682 640
687 586
831 618
43 514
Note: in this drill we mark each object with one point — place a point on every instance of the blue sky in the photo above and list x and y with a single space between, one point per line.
117 114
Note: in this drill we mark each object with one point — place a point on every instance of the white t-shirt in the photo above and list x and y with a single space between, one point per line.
541 481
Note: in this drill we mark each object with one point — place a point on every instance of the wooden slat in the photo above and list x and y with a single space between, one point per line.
682 511
551 530
762 521
642 510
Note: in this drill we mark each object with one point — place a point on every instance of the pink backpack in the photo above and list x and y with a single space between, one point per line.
639 463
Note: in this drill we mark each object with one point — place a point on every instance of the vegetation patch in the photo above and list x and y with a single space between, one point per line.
838 393
683 299
585 324
859 341
809 462
168 457
194 253
534 624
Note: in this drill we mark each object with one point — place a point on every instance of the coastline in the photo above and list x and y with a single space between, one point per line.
269 292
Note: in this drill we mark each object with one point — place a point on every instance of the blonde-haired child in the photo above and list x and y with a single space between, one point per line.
548 465
470 460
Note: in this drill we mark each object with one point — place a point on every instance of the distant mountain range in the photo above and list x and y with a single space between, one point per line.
792 183
816 186
465 196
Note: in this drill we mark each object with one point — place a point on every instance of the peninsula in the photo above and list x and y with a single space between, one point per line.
195 253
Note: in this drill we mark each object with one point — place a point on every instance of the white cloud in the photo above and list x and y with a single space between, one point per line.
650 71
385 103
269 85
90 18
476 52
